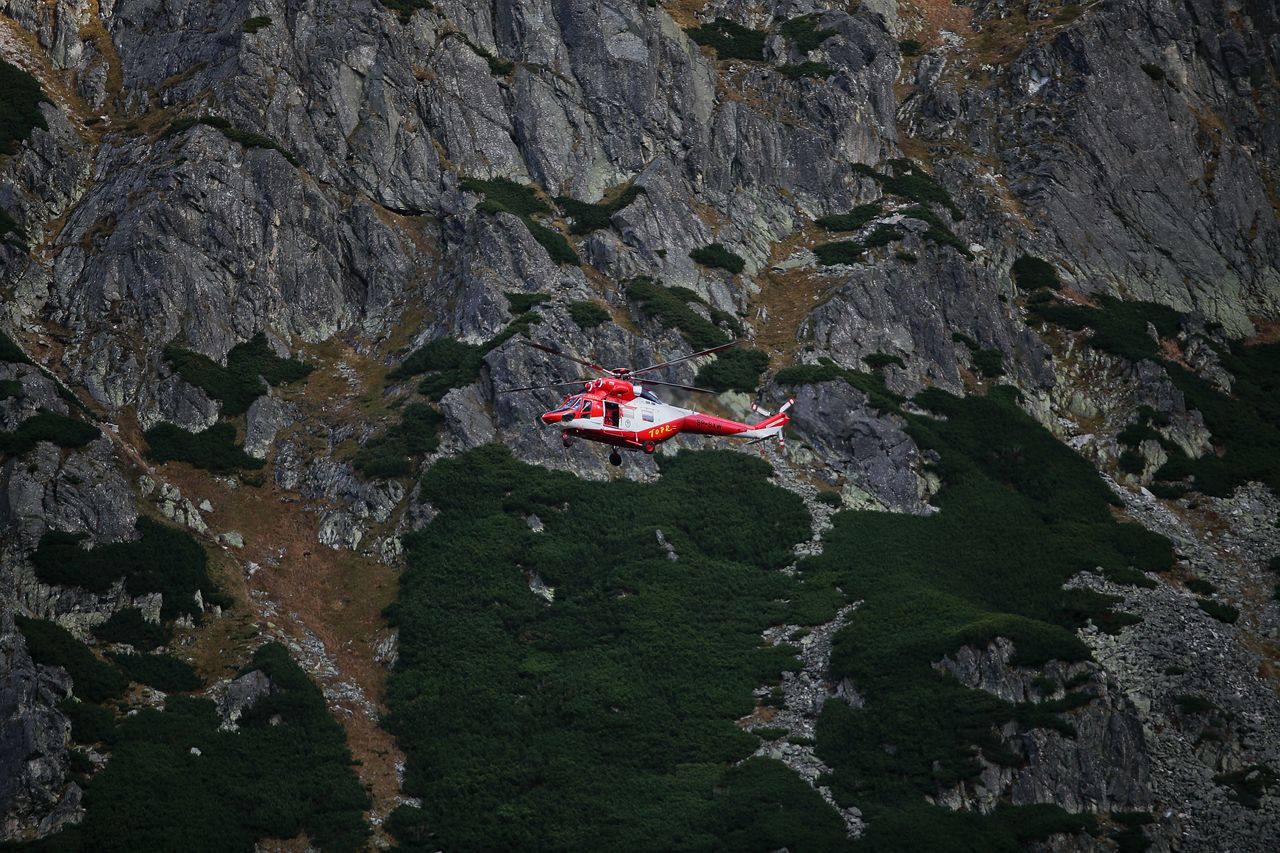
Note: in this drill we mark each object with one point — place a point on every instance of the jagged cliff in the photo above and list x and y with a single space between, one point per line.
909 195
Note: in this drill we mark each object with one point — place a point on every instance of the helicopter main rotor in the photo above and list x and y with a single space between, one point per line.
619 372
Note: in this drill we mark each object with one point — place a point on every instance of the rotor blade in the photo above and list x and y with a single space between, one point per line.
683 358
676 385
555 351
538 387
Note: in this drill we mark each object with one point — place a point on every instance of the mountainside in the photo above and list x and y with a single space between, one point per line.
1012 583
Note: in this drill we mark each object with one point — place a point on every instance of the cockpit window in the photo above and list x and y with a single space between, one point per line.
649 395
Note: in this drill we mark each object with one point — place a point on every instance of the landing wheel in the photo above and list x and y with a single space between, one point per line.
648 447
615 458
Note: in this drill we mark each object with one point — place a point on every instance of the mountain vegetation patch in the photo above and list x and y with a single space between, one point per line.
735 370
730 40
175 781
671 308
213 449
20 100
717 256
61 430
251 367
603 719
1020 514
162 559
590 217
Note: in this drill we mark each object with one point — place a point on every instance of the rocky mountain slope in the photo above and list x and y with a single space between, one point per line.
266 266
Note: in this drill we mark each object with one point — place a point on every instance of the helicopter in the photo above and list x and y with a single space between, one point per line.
614 410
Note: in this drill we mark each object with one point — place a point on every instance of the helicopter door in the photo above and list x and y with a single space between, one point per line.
610 414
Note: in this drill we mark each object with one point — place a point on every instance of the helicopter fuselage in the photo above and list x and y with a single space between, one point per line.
619 413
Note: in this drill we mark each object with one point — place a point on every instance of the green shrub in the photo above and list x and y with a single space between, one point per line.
388 455
717 256
879 361
883 235
163 672
589 217
129 626
842 252
20 99
1020 514
241 382
730 40
89 723
912 183
523 302
404 9
163 559
735 370
52 645
285 773
1200 586
1222 612
905 257
830 499
989 362
245 138
1030 273
213 449
555 244
47 426
817 70
910 47
257 22
871 384
851 221
588 315
804 34
454 364
497 66
11 352
937 232
527 726
767 733
11 233
1247 425
502 195
669 306
1131 462
408 825
1119 327
1166 491
439 354
10 388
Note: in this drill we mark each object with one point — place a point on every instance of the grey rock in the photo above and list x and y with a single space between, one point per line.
240 695
33 755
858 444
266 417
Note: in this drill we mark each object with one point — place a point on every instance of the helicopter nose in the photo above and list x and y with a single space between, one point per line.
546 418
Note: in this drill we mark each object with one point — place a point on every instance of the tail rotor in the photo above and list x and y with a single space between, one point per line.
779 424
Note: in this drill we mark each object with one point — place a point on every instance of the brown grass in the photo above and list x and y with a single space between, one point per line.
788 296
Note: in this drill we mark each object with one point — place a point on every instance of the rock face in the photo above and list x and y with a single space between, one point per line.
199 181
1103 767
33 735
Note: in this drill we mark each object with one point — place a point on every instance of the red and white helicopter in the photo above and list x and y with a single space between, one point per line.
614 410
